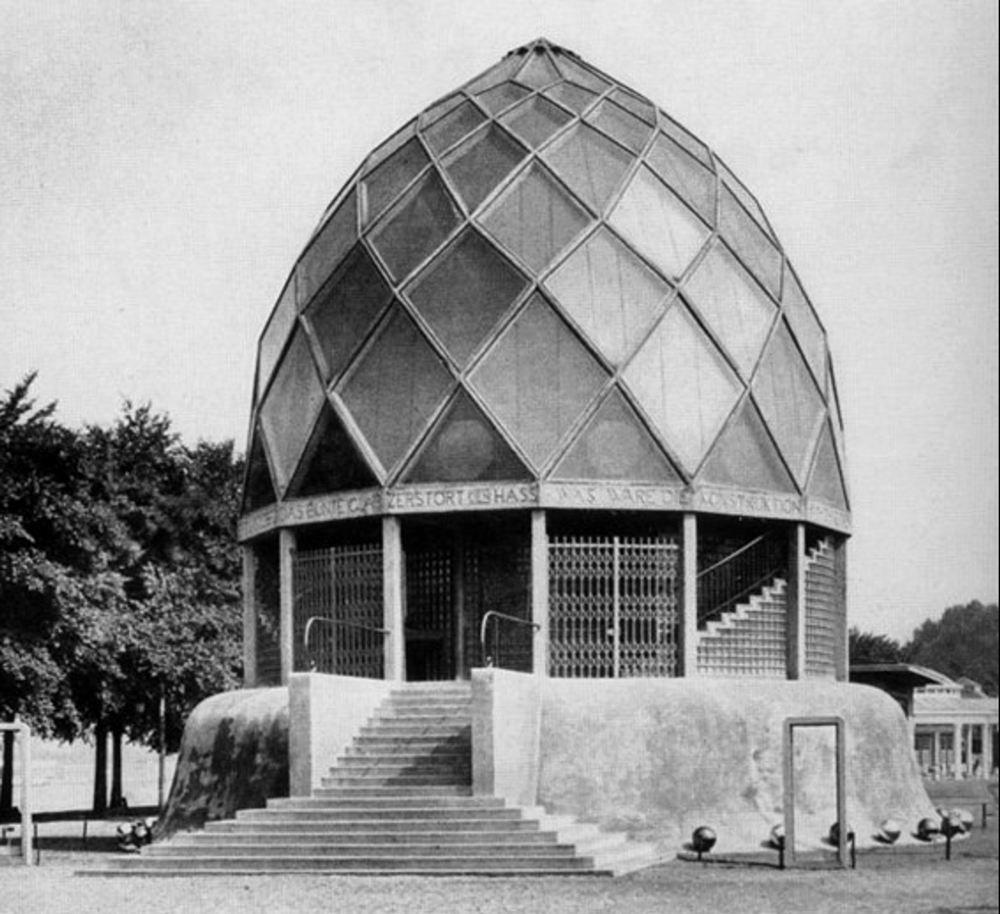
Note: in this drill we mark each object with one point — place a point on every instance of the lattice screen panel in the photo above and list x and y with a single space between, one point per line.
823 612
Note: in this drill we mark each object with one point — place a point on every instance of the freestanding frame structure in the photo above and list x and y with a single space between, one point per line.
544 391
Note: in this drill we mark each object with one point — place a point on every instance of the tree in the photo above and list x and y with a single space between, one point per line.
867 647
963 642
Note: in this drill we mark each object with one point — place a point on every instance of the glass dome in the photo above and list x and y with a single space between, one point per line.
544 278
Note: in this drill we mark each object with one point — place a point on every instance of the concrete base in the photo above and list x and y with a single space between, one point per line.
234 755
661 757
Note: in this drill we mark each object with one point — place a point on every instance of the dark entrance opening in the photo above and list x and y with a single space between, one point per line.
456 571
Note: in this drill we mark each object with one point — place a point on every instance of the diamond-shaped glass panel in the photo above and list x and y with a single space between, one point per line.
750 243
501 97
275 335
439 109
345 310
734 306
658 225
538 71
465 447
464 291
620 124
537 379
481 163
690 142
259 492
805 325
572 96
331 462
611 294
535 120
397 385
582 75
745 457
789 401
291 406
496 74
748 200
535 218
327 249
826 483
387 181
615 445
447 131
684 385
638 106
685 174
416 227
590 164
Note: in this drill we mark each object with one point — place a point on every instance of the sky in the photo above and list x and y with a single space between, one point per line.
163 164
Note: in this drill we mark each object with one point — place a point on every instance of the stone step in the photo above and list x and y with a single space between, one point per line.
375 788
426 813
381 851
313 824
423 731
440 799
401 762
452 837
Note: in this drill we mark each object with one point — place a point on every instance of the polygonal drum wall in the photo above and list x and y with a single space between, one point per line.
543 276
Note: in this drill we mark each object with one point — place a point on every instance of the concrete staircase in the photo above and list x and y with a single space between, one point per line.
399 801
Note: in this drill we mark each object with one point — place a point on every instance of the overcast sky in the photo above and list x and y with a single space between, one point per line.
162 164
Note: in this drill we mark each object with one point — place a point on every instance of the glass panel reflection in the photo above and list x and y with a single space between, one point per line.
658 225
501 97
750 243
748 200
616 445
481 163
275 335
638 106
746 457
416 227
325 251
259 492
291 406
447 131
621 124
684 385
463 293
610 293
826 482
681 136
331 462
537 353
538 71
387 181
789 401
535 120
465 447
805 325
345 310
535 219
398 383
582 75
590 164
733 305
571 96
685 174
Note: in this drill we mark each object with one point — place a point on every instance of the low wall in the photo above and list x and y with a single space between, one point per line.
661 757
325 714
506 721
234 755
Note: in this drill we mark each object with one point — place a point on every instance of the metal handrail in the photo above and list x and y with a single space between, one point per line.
762 569
732 555
494 614
312 620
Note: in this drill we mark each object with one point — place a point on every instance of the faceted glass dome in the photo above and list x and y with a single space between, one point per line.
543 277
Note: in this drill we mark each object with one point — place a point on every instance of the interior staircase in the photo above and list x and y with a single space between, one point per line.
399 801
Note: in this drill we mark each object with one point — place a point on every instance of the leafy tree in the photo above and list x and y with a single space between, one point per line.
867 647
963 642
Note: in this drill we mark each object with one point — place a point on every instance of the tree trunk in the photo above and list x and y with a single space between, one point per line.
101 768
117 799
7 780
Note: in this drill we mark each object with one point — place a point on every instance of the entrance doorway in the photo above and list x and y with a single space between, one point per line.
455 574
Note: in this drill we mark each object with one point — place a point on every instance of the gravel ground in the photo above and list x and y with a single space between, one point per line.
915 881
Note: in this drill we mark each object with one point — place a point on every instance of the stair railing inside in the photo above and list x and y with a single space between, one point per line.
735 578
493 657
346 648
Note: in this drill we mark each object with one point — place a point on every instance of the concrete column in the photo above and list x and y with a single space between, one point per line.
249 616
956 751
286 559
936 754
540 592
689 596
797 601
392 599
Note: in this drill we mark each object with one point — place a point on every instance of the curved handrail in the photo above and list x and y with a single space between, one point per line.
495 614
312 620
758 565
733 555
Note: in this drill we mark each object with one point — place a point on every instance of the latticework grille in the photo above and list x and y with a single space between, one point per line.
267 605
613 606
430 619
338 597
824 614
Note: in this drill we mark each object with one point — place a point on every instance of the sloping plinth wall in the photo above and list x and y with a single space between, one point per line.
234 755
661 757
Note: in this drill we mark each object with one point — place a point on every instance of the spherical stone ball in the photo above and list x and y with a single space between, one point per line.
835 833
927 828
703 839
889 831
777 837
